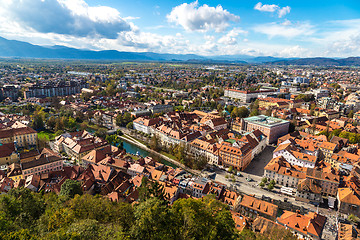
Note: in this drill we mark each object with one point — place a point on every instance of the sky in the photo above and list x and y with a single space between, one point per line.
280 28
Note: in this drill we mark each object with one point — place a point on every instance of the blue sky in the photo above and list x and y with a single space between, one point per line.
259 28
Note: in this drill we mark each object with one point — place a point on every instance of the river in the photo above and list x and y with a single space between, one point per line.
133 149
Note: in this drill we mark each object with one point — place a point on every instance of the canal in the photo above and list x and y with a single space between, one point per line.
133 149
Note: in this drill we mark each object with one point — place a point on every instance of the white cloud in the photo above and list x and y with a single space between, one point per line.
295 51
71 17
283 11
288 30
266 7
272 8
193 17
231 37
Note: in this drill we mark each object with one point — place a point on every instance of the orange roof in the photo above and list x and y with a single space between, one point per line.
259 205
240 221
328 145
347 195
282 167
309 224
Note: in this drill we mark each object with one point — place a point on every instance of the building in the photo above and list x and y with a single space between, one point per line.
283 172
209 151
271 127
253 207
309 226
54 88
77 144
22 137
143 124
348 201
294 156
8 154
246 96
238 153
46 162
161 108
239 157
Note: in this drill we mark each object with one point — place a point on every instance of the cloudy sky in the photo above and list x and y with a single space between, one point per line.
289 28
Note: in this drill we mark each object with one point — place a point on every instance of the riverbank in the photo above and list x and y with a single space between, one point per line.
166 158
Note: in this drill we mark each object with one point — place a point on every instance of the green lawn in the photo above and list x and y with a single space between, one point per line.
49 136
168 155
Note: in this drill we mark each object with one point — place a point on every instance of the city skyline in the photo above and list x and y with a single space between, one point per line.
256 28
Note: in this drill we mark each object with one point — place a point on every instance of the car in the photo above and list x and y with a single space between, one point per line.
248 179
239 174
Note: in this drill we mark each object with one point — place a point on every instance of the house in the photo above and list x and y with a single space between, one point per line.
8 154
46 162
14 172
144 124
198 187
308 190
206 149
231 198
347 232
32 182
294 155
283 172
348 201
253 207
241 221
22 137
309 226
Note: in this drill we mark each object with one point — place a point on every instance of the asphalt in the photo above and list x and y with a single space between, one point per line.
257 165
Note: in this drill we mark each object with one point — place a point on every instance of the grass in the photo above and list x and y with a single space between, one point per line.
48 135
168 155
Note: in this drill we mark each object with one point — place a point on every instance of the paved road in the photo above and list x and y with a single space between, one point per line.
257 165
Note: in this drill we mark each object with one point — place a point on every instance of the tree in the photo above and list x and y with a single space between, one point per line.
153 221
254 112
154 143
51 122
130 125
38 121
351 114
202 219
241 112
101 132
70 188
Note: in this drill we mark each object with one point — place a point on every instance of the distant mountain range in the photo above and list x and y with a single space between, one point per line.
18 49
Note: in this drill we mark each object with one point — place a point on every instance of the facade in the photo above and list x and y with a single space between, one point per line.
24 136
271 127
53 89
283 172
294 156
205 149
43 164
253 207
142 124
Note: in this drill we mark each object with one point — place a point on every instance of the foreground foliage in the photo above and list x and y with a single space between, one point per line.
28 215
